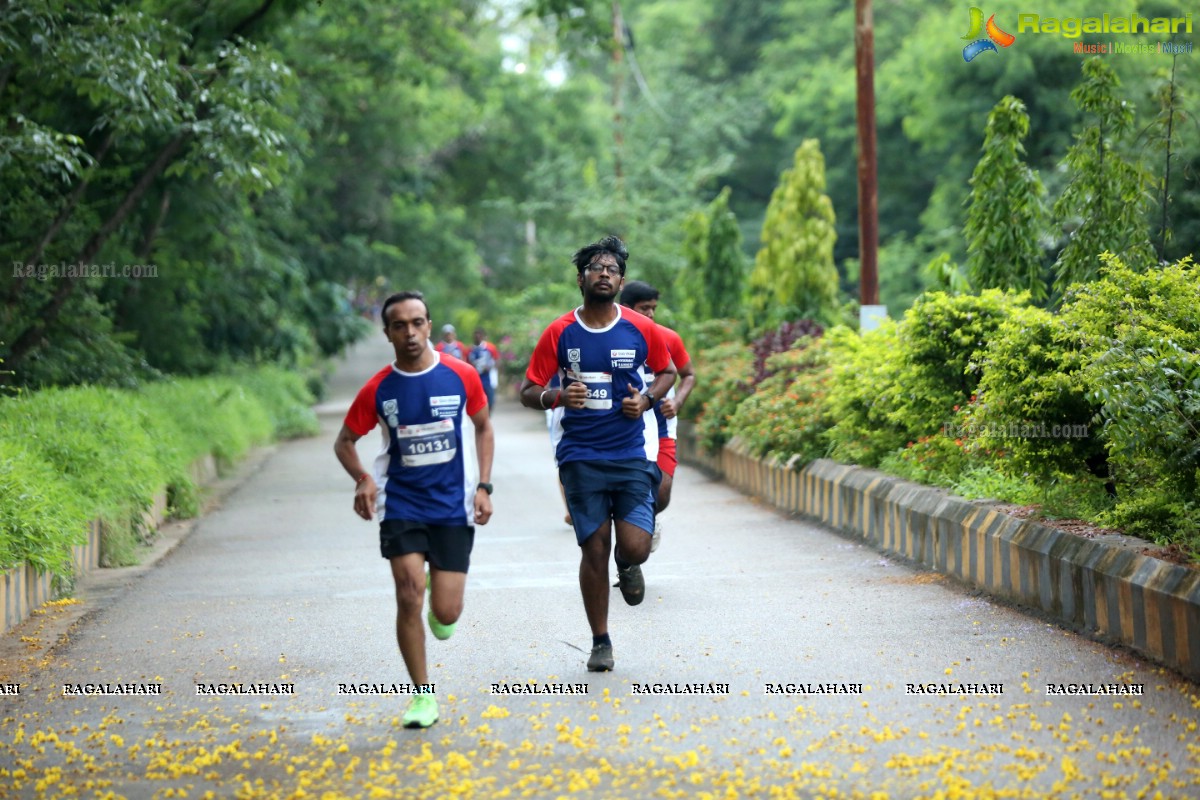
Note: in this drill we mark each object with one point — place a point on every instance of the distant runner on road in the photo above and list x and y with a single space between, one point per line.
602 453
434 467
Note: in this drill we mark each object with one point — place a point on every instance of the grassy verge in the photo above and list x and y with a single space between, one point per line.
71 455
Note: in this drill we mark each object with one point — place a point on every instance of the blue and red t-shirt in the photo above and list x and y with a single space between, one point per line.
427 468
679 355
455 348
608 361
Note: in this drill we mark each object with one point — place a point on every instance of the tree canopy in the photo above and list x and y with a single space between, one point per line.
189 185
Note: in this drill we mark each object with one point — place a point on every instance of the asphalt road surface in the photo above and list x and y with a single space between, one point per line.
771 658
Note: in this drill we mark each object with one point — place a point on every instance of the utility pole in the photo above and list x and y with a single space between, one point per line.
618 79
868 195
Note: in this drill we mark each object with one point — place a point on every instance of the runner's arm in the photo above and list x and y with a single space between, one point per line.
687 379
485 448
365 490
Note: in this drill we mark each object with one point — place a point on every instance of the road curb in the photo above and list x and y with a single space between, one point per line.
1104 586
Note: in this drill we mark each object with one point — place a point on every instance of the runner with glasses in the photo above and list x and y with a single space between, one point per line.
602 454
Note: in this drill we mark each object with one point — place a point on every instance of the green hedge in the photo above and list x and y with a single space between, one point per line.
1092 411
71 455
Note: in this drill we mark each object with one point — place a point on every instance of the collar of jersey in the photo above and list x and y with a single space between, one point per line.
399 371
607 327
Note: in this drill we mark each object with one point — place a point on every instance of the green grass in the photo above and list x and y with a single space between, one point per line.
71 455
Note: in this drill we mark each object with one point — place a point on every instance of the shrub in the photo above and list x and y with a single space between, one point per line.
213 415
780 340
91 437
40 517
940 343
1033 400
786 416
711 333
937 460
1151 414
863 379
903 382
724 379
286 397
1141 334
1136 307
1061 495
71 455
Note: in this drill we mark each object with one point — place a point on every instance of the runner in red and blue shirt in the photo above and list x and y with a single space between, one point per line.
609 483
643 298
434 469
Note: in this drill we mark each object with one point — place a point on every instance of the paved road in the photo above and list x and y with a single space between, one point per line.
809 641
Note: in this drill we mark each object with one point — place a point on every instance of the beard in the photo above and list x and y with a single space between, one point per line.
593 295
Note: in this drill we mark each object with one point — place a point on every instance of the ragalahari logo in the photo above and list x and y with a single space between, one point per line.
979 43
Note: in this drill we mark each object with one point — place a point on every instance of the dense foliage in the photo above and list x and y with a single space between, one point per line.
270 169
1092 411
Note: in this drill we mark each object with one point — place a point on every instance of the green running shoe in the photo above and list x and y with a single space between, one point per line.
422 711
439 630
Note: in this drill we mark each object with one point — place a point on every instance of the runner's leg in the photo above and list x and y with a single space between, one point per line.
593 577
408 573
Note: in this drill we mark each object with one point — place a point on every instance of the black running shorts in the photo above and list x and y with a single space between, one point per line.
446 547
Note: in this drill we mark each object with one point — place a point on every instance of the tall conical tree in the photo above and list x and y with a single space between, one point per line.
1106 200
712 285
794 275
1007 217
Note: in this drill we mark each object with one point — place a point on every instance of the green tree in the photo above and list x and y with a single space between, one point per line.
1171 97
106 114
1006 220
1104 205
712 282
794 275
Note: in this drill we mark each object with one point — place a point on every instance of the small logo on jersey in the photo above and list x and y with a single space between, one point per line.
446 405
573 355
624 359
390 407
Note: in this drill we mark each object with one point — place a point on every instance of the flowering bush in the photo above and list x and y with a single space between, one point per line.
780 340
786 415
724 379
937 460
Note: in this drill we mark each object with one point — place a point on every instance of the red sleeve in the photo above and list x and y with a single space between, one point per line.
679 353
543 364
476 399
657 356
362 416
494 351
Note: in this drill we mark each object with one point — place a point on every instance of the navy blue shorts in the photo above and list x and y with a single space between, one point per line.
446 547
598 491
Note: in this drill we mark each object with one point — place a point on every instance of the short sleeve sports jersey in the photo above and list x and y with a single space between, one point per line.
427 467
455 348
484 357
679 355
608 361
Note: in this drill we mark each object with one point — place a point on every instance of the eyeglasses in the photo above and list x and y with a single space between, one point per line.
596 269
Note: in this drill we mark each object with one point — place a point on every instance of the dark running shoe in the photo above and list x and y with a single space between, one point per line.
601 659
633 585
